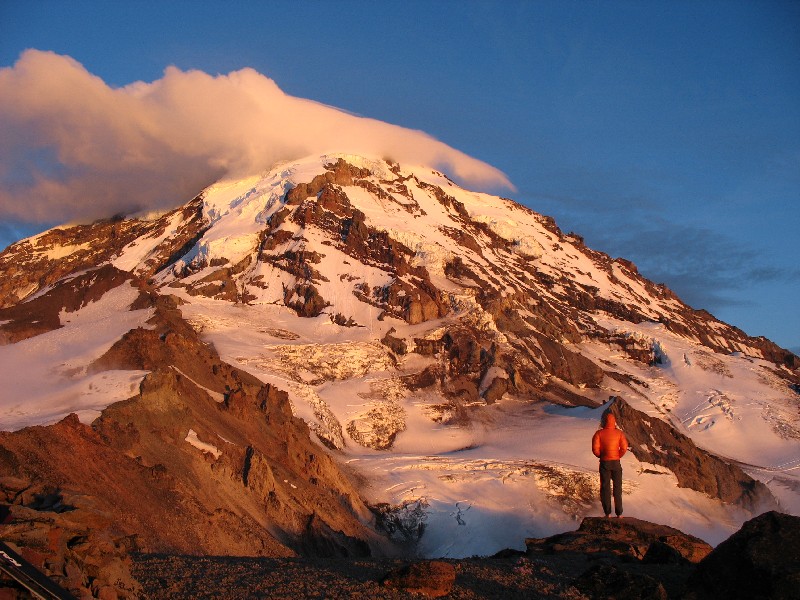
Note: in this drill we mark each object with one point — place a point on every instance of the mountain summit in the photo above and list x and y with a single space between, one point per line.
346 349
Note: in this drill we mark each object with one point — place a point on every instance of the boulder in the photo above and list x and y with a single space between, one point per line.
761 560
432 579
629 538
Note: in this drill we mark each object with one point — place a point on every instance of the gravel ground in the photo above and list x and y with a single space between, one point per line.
202 577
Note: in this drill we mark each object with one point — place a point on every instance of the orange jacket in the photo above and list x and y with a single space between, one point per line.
609 443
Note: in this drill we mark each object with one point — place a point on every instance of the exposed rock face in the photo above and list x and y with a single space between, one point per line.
761 560
656 442
69 540
323 204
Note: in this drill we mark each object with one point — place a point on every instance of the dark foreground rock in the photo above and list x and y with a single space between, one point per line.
605 558
81 555
608 581
624 559
761 560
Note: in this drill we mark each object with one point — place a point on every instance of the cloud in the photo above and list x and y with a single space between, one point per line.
74 148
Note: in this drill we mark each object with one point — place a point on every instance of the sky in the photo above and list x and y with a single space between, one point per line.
667 133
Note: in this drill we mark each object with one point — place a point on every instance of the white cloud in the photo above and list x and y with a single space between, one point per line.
74 148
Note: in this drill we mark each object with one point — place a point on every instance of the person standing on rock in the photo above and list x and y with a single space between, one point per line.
609 444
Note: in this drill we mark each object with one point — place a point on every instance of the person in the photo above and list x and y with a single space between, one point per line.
609 444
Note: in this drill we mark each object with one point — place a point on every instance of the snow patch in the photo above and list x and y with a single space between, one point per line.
58 252
218 397
233 248
192 438
510 230
135 253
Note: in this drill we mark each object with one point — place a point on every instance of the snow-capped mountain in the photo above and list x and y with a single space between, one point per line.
452 352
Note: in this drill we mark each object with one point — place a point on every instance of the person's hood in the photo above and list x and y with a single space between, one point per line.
611 421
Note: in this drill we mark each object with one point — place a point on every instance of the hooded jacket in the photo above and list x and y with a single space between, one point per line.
609 443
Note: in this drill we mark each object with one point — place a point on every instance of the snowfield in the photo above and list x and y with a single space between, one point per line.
515 470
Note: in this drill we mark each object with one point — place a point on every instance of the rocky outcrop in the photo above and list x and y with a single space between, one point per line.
761 560
221 284
339 173
569 366
305 300
192 224
396 345
626 538
624 558
657 442
69 540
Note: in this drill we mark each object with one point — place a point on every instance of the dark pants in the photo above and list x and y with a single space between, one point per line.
611 471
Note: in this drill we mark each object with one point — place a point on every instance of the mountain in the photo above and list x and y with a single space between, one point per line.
345 351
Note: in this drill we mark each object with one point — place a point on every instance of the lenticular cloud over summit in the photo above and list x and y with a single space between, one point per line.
75 148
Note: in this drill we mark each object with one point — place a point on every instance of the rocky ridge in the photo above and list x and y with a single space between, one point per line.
204 459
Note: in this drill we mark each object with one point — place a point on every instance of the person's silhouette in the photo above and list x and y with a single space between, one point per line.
609 444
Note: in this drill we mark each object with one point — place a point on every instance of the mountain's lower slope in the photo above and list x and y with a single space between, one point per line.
454 349
202 459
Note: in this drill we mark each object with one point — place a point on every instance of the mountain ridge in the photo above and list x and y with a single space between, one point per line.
429 338
50 252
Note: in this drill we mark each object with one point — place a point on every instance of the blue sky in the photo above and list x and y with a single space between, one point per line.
664 132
